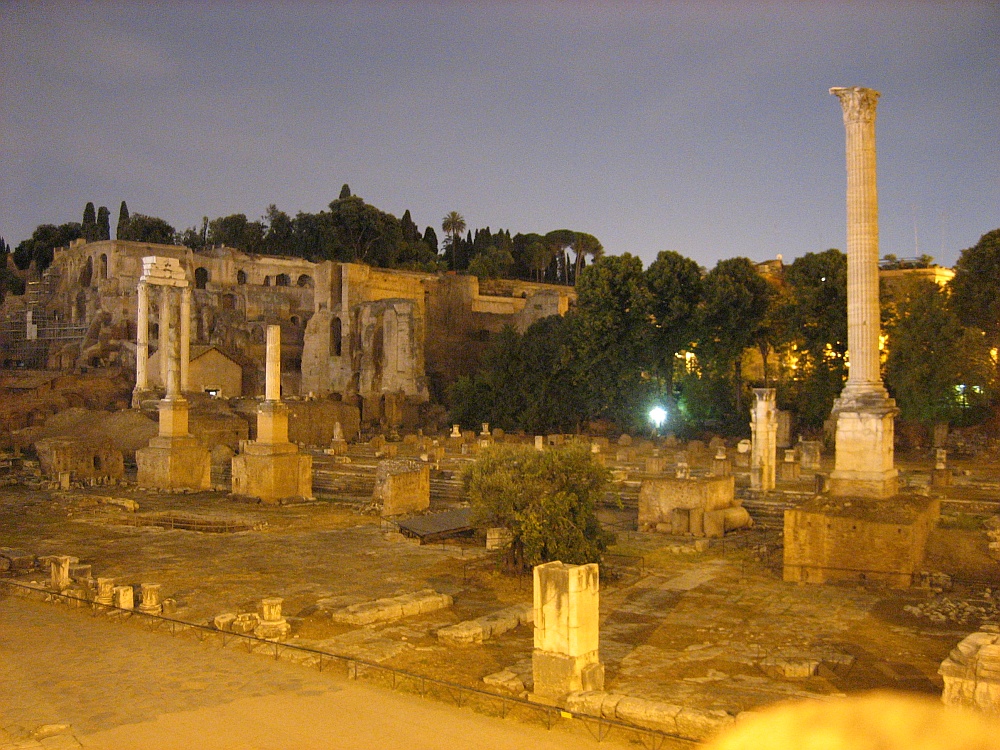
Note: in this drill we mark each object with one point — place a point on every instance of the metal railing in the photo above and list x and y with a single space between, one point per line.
353 668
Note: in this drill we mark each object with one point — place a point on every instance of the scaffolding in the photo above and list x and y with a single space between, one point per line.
27 333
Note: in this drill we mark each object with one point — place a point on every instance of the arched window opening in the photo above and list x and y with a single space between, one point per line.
283 279
241 277
305 281
200 278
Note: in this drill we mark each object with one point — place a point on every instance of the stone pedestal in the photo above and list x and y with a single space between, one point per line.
566 616
150 599
105 591
272 625
764 427
864 461
789 469
59 577
810 452
402 486
123 597
174 459
272 473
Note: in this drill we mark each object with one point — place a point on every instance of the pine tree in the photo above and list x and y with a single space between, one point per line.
122 231
103 223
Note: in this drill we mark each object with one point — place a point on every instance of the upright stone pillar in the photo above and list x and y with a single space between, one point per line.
271 468
764 428
141 343
185 353
166 305
864 412
566 617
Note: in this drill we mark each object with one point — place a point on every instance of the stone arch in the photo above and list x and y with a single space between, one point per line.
104 265
241 277
305 280
282 279
200 277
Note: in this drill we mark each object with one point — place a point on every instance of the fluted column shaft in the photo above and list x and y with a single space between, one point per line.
185 338
142 338
172 348
863 325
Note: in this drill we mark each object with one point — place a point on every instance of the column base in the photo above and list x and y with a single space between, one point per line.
174 463
556 675
864 463
272 473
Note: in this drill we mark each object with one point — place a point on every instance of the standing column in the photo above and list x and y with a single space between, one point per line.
172 348
272 373
185 338
164 332
764 428
864 412
862 238
142 339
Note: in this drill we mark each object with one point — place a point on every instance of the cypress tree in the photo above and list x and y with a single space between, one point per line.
103 223
123 217
345 192
89 226
431 238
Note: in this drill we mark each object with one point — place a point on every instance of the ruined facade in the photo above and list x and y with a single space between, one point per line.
381 336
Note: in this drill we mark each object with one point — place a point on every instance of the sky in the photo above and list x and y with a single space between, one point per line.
700 127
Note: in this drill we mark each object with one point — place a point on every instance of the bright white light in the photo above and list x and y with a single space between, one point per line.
657 415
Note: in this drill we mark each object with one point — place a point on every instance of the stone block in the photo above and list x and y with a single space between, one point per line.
702 724
123 597
402 486
858 539
174 463
272 472
659 497
392 608
649 714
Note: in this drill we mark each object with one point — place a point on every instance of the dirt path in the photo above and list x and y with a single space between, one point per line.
120 686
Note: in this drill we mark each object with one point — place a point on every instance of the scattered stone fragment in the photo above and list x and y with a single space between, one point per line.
392 608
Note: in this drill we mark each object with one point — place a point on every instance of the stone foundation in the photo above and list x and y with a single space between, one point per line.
858 539
272 473
174 463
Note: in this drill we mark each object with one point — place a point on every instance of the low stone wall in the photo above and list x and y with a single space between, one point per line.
488 626
692 723
392 608
402 486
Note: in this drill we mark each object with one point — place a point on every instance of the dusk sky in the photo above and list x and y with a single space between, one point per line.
704 128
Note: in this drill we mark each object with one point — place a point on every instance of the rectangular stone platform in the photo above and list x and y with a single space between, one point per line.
858 539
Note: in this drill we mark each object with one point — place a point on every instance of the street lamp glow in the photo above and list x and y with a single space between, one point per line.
657 415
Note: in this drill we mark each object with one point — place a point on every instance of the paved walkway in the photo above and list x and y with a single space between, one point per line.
120 686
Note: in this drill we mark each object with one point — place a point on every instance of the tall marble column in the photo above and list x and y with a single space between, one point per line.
172 345
164 331
142 340
272 371
185 353
864 411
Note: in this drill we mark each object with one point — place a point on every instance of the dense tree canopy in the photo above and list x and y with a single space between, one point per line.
976 287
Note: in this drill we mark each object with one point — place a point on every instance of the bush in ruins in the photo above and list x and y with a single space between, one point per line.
546 499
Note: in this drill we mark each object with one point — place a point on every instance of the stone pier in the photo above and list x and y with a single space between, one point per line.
271 468
764 428
864 412
566 617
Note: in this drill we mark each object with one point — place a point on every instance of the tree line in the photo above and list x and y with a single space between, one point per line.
696 342
349 230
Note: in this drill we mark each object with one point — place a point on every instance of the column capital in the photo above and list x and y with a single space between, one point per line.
858 103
